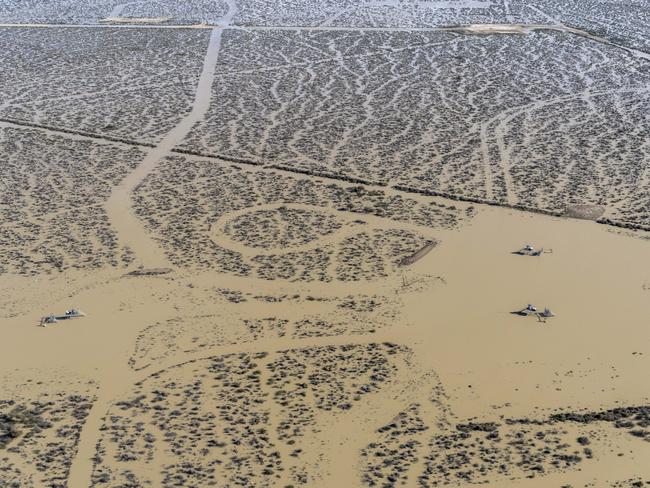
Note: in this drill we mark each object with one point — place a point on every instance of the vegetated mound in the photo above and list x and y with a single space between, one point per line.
282 227
191 197
230 417
41 435
537 142
129 84
52 215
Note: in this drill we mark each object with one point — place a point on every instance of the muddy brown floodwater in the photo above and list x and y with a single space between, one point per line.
492 363
270 216
119 205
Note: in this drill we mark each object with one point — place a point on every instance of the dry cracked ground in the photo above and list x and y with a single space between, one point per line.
291 225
